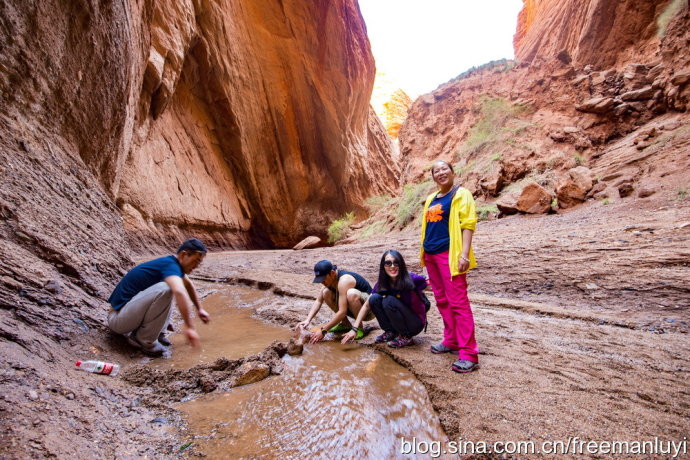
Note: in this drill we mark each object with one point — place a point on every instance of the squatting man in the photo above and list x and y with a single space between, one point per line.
142 300
344 292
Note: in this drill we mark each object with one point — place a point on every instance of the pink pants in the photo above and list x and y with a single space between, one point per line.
454 306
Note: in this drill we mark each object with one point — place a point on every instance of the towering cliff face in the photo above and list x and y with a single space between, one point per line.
599 32
244 123
252 119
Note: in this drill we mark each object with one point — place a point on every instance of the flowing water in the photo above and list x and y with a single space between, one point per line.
333 401
232 332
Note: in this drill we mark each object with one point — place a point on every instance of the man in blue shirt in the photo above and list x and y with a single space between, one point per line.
142 300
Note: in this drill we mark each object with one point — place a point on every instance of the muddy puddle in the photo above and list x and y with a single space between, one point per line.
232 332
345 400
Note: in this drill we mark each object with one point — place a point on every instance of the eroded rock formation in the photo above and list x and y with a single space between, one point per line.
143 123
264 110
228 119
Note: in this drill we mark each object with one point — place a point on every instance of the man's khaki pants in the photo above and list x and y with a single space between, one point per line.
146 314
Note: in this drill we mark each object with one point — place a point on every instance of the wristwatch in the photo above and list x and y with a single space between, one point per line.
324 331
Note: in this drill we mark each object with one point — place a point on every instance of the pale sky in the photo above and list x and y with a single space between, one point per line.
424 43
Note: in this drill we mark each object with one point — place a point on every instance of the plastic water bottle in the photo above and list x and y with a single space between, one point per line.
99 367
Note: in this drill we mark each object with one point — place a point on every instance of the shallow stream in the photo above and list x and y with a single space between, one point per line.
335 401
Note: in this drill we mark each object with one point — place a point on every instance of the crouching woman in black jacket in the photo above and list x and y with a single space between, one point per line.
396 303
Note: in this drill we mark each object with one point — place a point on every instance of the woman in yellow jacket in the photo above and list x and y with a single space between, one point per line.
448 224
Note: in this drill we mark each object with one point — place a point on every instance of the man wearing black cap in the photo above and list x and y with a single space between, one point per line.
344 292
141 302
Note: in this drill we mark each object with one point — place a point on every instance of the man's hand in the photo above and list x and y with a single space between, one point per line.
204 316
303 325
192 337
316 337
349 337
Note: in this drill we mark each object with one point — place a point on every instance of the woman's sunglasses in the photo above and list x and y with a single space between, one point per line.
391 263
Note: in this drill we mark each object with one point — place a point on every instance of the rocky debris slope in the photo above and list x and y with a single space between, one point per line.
555 131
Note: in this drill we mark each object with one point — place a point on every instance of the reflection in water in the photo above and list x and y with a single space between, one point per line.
232 332
334 401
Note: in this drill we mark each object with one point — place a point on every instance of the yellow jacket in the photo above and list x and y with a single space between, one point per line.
463 214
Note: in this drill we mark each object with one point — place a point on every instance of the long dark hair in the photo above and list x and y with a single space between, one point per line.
403 282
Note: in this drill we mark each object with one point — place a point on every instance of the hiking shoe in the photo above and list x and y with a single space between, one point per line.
340 328
132 341
154 349
400 342
385 337
440 348
464 366
164 340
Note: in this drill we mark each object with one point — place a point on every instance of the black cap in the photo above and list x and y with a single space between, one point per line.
322 269
192 245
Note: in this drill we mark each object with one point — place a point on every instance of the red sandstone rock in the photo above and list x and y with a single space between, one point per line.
583 177
270 130
642 94
646 192
534 199
507 203
308 242
569 194
681 78
596 105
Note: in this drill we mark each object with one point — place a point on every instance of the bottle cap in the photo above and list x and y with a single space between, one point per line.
78 363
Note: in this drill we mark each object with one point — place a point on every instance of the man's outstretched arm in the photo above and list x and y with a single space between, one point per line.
184 304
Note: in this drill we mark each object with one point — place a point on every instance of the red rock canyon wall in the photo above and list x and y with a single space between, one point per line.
140 123
608 32
262 107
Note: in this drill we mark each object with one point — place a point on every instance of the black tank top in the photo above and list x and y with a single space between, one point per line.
361 284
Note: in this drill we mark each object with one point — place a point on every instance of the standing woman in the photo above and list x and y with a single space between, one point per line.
448 224
396 303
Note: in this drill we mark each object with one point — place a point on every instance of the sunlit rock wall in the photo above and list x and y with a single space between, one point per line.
390 102
597 32
253 118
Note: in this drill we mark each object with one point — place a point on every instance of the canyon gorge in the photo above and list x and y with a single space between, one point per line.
126 127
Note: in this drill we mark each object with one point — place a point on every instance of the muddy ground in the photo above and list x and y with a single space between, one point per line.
582 320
